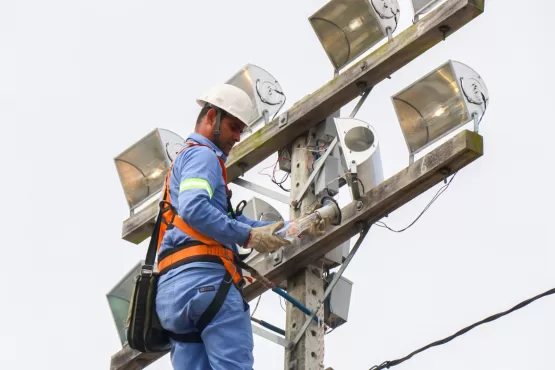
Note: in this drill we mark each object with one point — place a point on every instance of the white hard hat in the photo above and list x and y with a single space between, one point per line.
231 99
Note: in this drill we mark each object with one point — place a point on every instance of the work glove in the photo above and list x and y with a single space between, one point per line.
318 228
263 240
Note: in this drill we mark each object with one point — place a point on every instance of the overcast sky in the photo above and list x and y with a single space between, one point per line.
82 80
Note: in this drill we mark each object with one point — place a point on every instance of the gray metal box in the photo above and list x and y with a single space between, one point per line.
336 307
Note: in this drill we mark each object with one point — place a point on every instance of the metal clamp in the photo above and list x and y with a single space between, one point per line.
283 119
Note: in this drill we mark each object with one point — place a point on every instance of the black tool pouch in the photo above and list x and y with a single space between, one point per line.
144 332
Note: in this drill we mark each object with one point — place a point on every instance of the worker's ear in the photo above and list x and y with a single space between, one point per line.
211 116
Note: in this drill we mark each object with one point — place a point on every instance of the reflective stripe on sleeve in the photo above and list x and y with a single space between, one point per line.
195 183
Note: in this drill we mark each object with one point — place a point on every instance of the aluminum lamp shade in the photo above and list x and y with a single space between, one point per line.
142 167
423 6
263 89
360 147
259 210
348 28
439 103
119 300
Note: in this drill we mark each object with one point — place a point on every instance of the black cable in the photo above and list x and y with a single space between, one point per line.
439 192
255 307
284 100
388 364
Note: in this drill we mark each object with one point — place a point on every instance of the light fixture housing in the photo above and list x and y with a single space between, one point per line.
142 167
422 6
263 89
348 28
119 298
438 103
361 151
259 210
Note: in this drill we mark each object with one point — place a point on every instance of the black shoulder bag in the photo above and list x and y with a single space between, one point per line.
144 332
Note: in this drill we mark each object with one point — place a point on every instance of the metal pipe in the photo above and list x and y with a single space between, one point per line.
360 102
294 302
319 164
268 326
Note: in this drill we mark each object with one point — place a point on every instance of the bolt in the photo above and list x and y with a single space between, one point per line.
444 29
359 205
361 84
364 66
242 166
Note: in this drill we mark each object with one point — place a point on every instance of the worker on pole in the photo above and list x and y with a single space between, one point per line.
199 299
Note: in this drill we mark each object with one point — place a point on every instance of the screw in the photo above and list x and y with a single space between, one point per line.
361 84
364 66
444 29
242 166
359 205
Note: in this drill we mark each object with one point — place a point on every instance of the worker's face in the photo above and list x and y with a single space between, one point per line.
230 131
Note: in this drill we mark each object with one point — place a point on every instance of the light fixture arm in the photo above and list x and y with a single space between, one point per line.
297 201
363 229
361 101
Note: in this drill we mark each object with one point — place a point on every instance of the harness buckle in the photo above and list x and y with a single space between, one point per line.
164 209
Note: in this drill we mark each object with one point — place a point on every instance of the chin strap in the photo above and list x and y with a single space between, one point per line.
217 127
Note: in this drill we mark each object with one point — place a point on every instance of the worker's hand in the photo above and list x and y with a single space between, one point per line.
263 240
318 228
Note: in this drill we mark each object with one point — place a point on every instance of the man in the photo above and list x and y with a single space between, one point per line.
199 299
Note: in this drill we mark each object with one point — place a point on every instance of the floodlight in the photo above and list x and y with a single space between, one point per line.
422 6
259 210
119 300
142 167
263 89
440 102
348 28
361 152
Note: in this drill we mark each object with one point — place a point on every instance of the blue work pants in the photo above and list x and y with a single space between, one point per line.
227 342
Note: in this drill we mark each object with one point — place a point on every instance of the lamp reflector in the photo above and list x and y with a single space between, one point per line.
439 103
142 167
263 89
360 146
348 28
119 300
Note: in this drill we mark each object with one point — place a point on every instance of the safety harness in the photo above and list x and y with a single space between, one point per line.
202 249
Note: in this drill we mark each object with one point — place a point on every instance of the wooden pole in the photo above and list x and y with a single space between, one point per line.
305 285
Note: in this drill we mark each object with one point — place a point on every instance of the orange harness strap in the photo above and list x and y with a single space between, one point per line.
211 247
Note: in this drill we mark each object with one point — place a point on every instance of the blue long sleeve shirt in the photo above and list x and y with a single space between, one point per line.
197 190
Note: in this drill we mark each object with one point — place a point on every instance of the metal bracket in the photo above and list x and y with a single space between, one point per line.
261 190
266 334
277 256
283 119
353 181
297 201
363 229
365 93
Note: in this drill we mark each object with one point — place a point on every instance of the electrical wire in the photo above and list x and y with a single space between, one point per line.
273 176
283 308
256 306
439 192
388 364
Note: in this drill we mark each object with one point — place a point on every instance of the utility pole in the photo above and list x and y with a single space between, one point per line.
306 285
301 264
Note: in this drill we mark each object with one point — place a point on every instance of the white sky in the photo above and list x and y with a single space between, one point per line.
80 81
